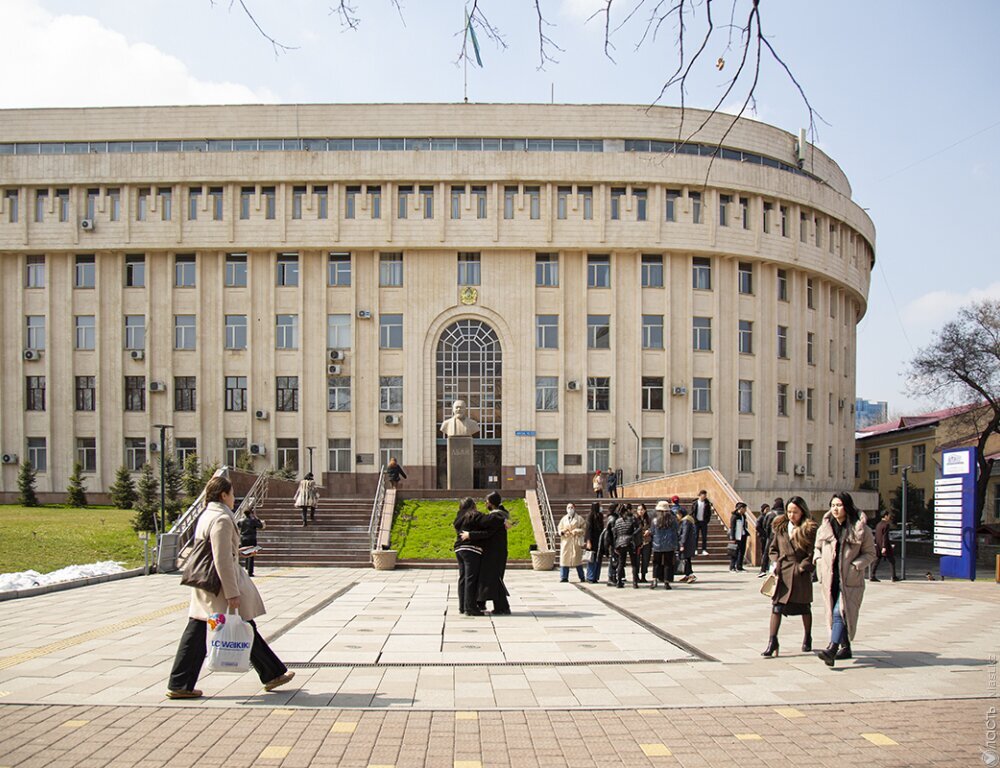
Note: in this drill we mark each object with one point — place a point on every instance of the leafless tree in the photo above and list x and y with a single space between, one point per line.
962 366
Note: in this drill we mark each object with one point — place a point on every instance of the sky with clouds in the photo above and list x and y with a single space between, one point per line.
907 91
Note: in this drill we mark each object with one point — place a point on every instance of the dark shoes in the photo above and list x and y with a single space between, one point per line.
278 681
182 694
844 652
621 585
829 654
875 578
474 613
501 613
807 644
772 647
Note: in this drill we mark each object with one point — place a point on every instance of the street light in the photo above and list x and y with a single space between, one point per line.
311 448
163 458
638 455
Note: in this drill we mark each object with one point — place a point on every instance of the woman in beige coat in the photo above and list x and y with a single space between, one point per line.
844 548
238 594
571 531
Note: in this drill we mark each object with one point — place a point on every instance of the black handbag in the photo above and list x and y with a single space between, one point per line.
198 567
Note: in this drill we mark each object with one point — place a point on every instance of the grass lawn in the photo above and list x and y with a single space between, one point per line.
422 530
47 538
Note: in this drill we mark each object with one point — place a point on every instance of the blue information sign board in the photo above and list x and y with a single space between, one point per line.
525 433
954 513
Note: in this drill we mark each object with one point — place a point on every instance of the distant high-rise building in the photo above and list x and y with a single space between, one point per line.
868 412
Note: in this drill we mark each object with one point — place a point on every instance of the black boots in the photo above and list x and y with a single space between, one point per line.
807 644
772 647
829 654
844 652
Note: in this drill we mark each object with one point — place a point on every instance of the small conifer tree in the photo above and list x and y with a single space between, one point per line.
147 500
76 491
26 495
122 491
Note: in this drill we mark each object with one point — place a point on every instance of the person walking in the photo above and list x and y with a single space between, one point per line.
883 546
790 553
687 539
612 484
571 533
248 528
844 548
663 538
471 528
738 535
625 546
306 497
592 542
599 483
238 594
493 565
607 545
702 511
643 542
765 532
394 472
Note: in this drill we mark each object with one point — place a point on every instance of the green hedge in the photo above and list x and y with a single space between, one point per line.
422 530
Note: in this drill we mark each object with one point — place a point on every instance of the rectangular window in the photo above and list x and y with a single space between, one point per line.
135 393
287 270
546 331
652 331
390 449
339 451
236 331
114 204
782 342
194 199
874 459
695 207
745 396
166 195
617 195
34 332
724 202
288 454
652 270
338 269
246 197
586 195
351 202
338 393
34 272
236 393
598 393
810 294
456 202
86 336
322 202
562 201
62 204
375 196
782 457
652 454
390 331
919 461
819 232
598 271
427 201
91 205
641 204
745 276
811 348
547 270
547 455
744 456
41 201
185 393
701 395
85 390
35 393
546 393
185 447
652 393
782 399
803 227
598 331
701 452
701 273
236 270
810 414
745 212
509 193
286 332
783 211
286 393
480 194
468 269
782 285
671 207
598 455
270 208
184 270
809 459
338 331
298 193
135 453
702 334
215 200
38 454
534 202
403 201
85 273
893 461
12 199
390 394
390 270
86 453
768 216
745 337
185 332
135 270
135 331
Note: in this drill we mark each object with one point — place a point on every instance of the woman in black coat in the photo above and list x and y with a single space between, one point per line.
471 528
494 563
592 541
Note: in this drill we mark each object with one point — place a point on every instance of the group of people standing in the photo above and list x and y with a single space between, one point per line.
605 482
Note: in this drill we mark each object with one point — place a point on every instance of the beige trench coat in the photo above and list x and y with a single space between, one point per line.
216 523
306 494
571 540
856 554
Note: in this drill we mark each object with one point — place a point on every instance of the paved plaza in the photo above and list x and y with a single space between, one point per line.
388 673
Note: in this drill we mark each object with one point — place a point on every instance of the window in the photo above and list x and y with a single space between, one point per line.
215 202
652 270
236 447
562 201
831 355
810 294
287 393
745 212
509 193
598 331
546 393
114 204
783 210
599 271
338 391
185 447
246 196
62 204
34 336
701 391
390 269
287 332
586 201
617 194
135 393
339 451
34 393
184 270
338 269
782 285
135 331
236 393
41 200
135 270
893 461
782 457
819 232
745 276
270 209
390 449
403 201
671 204
185 332
338 331
38 454
782 399
236 270
85 273
745 397
135 453
468 269
34 272
873 478
598 455
375 194
701 273
829 407
390 393
322 202
91 206
297 194
652 454
86 453
652 331
803 228
652 393
456 201
185 393
288 454
547 455
809 459
547 270
480 194
919 460
287 270
724 202
701 452
695 207
85 332
768 215
547 331
744 456
85 389
390 331
809 404
598 393
641 200
874 459
427 201
811 348
166 195
11 197
194 197
746 337
783 342
857 465
236 331
702 334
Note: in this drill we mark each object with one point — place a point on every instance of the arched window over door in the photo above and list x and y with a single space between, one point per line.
470 367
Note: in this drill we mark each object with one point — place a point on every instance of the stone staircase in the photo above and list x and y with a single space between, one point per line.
339 537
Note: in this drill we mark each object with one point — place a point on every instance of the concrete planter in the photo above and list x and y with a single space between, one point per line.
384 559
543 560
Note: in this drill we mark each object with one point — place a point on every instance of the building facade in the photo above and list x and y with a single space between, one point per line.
315 284
870 412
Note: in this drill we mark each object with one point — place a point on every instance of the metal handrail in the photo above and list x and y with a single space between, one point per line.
184 525
545 507
254 498
374 527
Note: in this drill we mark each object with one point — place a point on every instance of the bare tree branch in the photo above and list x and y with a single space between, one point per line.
278 47
544 40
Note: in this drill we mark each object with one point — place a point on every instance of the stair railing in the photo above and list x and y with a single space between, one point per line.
254 498
182 531
374 527
546 508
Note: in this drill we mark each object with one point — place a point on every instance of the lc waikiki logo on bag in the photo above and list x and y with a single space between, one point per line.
228 643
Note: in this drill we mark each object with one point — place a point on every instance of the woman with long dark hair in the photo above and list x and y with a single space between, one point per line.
844 548
592 542
663 532
471 528
793 538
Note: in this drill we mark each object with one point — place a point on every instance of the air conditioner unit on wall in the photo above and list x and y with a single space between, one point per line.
333 370
9 458
153 448
32 354
800 469
260 414
800 394
257 449
678 390
335 355
677 448
364 314
393 418
157 386
87 225
572 385
137 354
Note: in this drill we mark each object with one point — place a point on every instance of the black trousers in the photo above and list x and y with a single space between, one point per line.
631 553
702 534
890 556
311 511
468 579
248 562
663 566
645 555
612 566
736 555
191 655
685 562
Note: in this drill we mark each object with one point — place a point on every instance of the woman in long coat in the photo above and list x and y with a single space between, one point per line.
571 531
472 527
306 498
844 548
592 542
793 537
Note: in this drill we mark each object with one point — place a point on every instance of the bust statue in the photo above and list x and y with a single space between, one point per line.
459 425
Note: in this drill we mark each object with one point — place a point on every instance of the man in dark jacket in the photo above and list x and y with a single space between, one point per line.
624 532
248 528
394 472
494 563
883 546
612 483
702 512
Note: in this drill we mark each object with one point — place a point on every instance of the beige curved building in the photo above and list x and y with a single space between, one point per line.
564 269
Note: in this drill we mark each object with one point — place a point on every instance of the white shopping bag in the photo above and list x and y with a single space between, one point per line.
228 643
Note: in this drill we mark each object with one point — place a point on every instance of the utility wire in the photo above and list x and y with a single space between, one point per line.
939 152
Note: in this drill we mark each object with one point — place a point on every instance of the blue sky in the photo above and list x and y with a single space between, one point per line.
909 90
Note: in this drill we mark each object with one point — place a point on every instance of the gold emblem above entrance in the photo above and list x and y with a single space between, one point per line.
469 295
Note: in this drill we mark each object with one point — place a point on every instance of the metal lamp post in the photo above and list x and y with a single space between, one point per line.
311 448
163 460
638 451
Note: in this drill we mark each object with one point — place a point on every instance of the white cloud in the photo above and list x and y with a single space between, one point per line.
932 310
74 61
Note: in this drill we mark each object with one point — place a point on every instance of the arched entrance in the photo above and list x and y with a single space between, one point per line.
469 367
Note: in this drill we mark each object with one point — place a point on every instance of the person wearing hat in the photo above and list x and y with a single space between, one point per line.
664 537
738 535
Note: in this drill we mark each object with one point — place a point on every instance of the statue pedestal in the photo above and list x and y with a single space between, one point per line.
459 462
